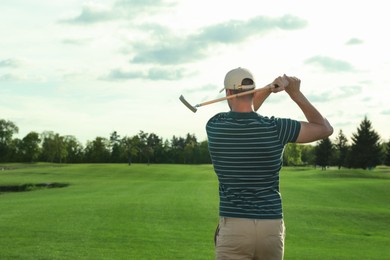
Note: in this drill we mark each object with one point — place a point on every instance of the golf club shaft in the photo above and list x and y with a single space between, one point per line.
267 88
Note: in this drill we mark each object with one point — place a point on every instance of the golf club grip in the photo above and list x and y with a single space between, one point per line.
236 95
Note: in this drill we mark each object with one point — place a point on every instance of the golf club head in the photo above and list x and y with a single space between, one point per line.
184 101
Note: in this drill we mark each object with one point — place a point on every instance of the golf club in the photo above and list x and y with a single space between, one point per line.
194 108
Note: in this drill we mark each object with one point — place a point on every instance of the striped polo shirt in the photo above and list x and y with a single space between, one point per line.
246 151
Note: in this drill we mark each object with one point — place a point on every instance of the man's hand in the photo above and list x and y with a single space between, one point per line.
279 84
294 85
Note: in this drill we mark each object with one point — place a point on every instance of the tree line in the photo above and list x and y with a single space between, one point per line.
365 151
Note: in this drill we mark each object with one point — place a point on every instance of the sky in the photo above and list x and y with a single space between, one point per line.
89 68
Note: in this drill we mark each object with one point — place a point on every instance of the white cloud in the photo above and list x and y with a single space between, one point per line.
93 13
200 44
330 64
354 41
10 63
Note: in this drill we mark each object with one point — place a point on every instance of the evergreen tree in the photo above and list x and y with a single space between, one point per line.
115 147
341 145
365 149
324 152
387 154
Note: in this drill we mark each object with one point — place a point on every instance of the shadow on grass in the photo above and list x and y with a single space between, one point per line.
31 187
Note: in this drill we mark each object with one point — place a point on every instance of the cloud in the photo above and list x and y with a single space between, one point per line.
93 13
163 46
322 97
386 112
237 31
349 91
340 93
177 50
9 77
9 63
90 14
330 64
133 8
354 41
151 74
164 74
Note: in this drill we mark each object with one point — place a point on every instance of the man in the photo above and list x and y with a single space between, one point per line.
246 151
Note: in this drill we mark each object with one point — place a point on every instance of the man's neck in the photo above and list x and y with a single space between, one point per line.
242 108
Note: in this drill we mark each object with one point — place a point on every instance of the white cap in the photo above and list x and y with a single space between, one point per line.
234 79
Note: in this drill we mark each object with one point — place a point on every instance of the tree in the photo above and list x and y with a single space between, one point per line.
365 149
177 148
53 147
115 147
341 146
191 149
324 151
308 154
74 149
97 151
130 146
387 154
7 130
153 147
15 151
204 156
292 154
141 146
30 148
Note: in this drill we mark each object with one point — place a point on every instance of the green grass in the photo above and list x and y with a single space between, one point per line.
329 216
170 212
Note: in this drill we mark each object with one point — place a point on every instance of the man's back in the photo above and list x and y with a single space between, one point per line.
246 151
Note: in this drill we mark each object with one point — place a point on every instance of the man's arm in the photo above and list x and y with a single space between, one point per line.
259 98
276 86
317 127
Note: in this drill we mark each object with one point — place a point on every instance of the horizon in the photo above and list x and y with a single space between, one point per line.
163 138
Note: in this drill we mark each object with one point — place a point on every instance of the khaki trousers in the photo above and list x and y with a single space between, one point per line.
237 238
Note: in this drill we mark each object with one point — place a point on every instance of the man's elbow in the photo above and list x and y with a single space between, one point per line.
328 128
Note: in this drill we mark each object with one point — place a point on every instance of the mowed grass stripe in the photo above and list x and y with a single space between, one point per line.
170 212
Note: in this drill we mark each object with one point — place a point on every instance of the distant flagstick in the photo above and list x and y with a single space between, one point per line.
194 108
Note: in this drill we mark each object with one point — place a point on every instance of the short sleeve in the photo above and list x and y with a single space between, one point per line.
288 129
